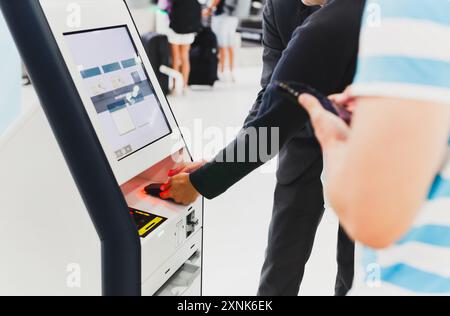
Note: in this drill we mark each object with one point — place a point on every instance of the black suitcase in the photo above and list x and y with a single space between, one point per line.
158 51
204 59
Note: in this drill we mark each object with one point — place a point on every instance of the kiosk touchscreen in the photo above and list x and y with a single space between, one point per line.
119 89
133 127
128 110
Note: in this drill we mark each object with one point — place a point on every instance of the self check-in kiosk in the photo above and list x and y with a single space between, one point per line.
93 230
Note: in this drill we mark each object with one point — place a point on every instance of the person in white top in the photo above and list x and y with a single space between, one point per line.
224 25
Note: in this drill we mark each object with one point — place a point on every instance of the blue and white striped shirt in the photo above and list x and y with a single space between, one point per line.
405 53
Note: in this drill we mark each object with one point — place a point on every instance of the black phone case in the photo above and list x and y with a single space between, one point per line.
292 91
154 189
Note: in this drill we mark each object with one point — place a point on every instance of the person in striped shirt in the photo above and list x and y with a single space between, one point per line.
388 175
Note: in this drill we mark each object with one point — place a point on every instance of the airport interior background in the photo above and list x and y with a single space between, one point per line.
236 223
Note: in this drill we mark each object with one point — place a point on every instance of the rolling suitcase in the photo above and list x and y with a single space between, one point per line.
158 50
204 59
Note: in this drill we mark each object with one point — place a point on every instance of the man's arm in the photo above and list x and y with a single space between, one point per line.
300 62
215 177
385 191
311 58
380 171
210 9
256 144
273 49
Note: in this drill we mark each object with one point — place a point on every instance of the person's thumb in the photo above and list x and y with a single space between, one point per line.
311 105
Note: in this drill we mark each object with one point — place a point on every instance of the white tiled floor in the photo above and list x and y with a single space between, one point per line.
236 224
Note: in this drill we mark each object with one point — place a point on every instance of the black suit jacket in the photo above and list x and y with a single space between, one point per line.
281 19
322 53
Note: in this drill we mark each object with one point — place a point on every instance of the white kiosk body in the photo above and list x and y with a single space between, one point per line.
48 242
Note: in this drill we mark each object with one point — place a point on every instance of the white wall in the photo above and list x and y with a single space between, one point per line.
10 78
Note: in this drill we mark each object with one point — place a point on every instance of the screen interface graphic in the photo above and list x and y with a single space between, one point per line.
129 112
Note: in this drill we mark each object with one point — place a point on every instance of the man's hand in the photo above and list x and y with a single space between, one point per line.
330 130
345 105
186 167
344 100
180 189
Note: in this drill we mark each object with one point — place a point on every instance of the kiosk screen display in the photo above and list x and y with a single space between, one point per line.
127 107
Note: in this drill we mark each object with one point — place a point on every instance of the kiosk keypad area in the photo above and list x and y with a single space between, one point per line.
146 222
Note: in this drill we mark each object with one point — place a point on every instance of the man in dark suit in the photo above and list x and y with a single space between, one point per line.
318 49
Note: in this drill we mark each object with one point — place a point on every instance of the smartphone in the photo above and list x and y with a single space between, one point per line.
154 190
293 92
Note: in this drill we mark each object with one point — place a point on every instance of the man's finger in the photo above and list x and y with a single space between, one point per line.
311 104
166 185
339 99
166 195
176 170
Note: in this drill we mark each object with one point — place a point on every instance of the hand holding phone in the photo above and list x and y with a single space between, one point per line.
292 91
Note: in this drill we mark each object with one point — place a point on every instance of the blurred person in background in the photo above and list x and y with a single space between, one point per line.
388 175
185 21
224 25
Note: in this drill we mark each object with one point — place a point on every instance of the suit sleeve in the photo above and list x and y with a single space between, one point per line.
215 177
273 49
256 144
315 58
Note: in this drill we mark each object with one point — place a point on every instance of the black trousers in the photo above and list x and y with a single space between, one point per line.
298 210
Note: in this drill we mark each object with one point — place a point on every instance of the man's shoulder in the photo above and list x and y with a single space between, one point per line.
286 6
338 17
287 15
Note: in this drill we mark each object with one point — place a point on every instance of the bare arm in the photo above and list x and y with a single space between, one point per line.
213 5
380 170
